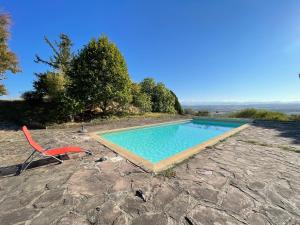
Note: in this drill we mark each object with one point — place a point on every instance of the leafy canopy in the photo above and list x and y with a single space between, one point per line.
99 76
141 99
163 100
51 84
8 59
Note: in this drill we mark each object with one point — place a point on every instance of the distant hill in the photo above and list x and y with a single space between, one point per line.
288 108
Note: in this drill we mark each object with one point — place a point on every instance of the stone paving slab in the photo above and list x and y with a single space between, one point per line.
250 178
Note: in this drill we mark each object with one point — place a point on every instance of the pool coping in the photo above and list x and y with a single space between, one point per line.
166 163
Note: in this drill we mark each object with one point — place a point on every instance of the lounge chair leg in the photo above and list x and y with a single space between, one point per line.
61 161
25 164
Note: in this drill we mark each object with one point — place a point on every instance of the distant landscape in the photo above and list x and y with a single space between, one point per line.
223 108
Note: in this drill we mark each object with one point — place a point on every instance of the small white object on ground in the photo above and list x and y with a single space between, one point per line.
116 159
208 173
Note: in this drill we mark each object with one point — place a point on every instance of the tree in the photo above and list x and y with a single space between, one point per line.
8 59
141 99
62 55
177 105
52 83
99 76
163 100
147 85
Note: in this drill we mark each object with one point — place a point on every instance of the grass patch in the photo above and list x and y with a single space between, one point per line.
168 173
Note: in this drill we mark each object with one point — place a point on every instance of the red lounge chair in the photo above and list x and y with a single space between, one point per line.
45 152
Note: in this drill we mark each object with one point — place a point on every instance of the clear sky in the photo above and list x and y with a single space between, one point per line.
210 50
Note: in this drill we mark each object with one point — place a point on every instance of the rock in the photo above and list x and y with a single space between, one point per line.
56 214
257 219
72 220
17 216
134 206
49 198
107 213
236 201
210 216
151 219
83 130
104 158
86 182
13 203
163 195
179 206
121 185
204 192
140 194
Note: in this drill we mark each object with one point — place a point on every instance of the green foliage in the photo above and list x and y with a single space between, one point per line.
99 76
177 105
202 113
261 114
148 85
62 54
168 173
8 59
295 117
95 80
49 85
2 90
141 99
163 100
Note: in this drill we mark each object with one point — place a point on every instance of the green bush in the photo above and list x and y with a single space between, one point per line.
202 113
261 114
190 111
163 99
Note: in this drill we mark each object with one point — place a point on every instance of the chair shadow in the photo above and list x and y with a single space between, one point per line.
289 130
12 170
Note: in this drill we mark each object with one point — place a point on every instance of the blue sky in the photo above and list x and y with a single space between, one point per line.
206 51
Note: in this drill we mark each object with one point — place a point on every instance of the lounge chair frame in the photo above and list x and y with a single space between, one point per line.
40 151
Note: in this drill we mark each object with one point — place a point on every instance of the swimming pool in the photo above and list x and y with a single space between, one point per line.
158 146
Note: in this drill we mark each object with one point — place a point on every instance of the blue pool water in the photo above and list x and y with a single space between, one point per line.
160 142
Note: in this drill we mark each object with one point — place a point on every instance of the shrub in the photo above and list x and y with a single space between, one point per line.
168 173
202 113
261 114
189 111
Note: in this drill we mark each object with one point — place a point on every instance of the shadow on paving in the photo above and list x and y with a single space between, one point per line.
287 129
12 170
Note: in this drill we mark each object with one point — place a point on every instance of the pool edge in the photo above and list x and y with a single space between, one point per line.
181 156
166 163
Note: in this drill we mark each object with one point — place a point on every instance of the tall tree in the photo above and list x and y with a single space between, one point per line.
141 99
177 105
163 100
8 59
99 76
62 54
147 85
52 83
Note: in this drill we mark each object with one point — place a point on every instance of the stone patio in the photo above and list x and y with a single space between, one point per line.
250 178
